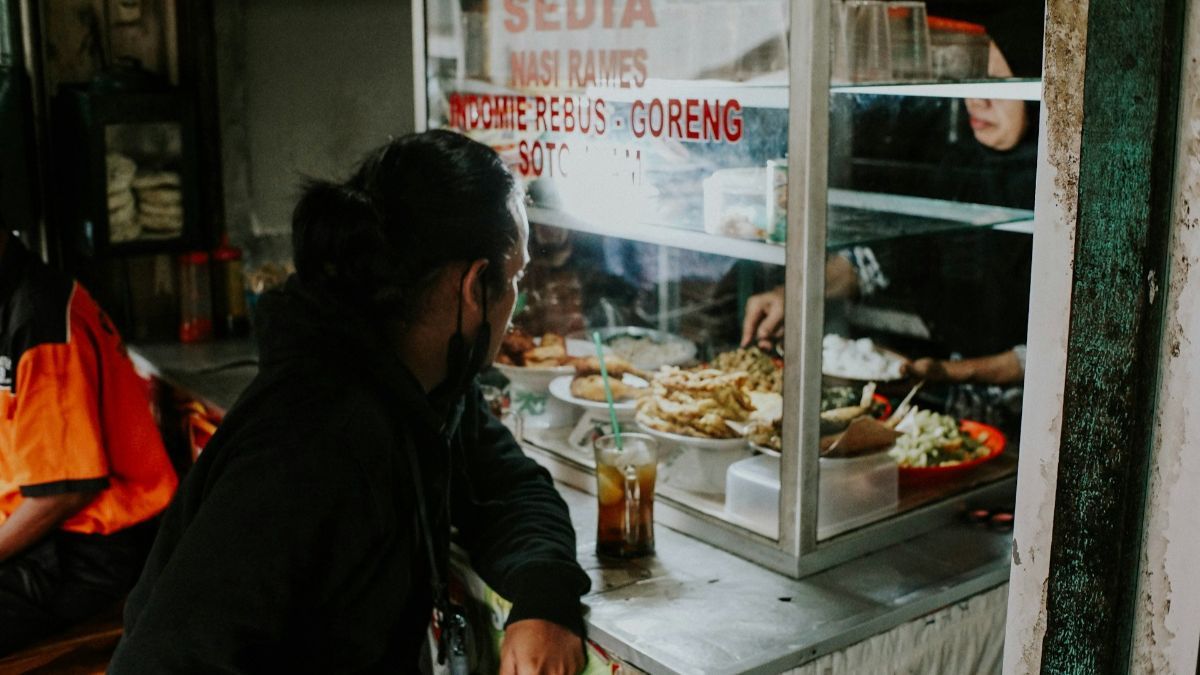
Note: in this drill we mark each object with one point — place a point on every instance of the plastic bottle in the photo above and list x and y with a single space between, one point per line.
195 298
229 296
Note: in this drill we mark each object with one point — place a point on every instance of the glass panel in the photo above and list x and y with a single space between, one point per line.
652 139
927 278
145 197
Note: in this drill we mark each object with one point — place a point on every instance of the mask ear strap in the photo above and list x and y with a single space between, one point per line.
462 282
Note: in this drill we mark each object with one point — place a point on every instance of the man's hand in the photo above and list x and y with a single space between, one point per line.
764 319
537 647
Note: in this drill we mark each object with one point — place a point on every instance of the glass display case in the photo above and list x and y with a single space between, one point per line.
688 163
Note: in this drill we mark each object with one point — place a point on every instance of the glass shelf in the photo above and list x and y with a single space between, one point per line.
1013 89
855 219
861 218
771 93
664 235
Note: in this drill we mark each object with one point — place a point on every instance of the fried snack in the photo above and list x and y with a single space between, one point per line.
763 374
513 347
695 402
768 434
520 349
546 356
591 387
616 366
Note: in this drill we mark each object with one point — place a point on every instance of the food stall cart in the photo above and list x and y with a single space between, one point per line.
680 157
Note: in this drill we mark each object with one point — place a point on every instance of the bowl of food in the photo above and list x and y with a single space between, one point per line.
689 412
765 374
847 361
935 447
531 364
645 348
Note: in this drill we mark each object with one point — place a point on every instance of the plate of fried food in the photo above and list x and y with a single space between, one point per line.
689 411
531 363
692 407
586 387
764 374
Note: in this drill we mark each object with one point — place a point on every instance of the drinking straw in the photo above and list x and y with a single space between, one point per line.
612 411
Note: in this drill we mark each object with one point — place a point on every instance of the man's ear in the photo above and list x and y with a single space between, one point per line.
473 285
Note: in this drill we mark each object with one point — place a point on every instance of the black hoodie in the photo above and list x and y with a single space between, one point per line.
294 545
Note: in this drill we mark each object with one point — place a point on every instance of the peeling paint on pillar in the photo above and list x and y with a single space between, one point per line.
1167 628
1125 182
1053 256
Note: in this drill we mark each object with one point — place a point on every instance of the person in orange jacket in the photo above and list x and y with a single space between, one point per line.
83 471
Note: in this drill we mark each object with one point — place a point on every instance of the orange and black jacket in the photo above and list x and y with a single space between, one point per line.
74 415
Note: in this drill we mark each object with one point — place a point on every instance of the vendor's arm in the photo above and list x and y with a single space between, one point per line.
763 324
1005 368
36 517
518 532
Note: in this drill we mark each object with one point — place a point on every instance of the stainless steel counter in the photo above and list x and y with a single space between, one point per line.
214 372
694 608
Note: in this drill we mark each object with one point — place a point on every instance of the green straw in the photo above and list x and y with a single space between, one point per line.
612 411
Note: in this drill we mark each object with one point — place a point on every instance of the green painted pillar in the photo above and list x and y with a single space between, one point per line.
1130 90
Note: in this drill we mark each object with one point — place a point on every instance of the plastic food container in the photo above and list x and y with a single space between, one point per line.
735 203
958 50
853 492
195 298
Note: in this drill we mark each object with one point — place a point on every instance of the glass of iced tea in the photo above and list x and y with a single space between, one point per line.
625 491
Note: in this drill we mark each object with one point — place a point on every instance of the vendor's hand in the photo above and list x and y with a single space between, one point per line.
764 319
538 647
934 370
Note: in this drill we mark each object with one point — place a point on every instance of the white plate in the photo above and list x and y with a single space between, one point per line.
532 379
684 349
714 444
538 379
560 388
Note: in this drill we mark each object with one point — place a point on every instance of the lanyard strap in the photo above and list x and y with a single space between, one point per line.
441 597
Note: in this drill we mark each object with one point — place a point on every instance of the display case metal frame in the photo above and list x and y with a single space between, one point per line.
797 551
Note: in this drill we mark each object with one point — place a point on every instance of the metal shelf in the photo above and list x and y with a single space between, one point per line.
855 219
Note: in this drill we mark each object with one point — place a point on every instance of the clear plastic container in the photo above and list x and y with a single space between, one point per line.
195 298
853 492
735 203
230 296
958 49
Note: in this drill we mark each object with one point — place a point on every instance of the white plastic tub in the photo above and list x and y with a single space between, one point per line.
853 492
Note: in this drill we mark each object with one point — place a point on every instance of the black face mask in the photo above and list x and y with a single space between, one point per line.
463 363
